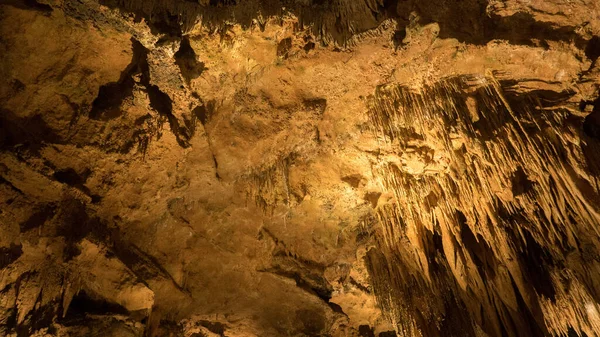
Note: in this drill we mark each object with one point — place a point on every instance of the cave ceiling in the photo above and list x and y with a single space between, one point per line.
336 168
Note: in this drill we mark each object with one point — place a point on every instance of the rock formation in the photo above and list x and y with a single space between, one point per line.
299 168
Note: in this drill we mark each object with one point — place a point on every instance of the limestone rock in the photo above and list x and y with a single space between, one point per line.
299 168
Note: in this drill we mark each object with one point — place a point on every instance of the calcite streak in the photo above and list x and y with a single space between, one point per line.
490 229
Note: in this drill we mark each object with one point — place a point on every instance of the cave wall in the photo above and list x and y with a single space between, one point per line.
304 168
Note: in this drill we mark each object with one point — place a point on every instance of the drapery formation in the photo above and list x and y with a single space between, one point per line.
495 212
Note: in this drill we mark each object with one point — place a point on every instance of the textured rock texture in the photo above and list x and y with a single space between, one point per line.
299 168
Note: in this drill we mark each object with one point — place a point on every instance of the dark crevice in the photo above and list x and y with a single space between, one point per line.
523 29
541 97
29 5
38 218
388 334
456 319
309 46
41 317
28 132
312 284
107 104
591 123
10 254
316 104
366 331
74 224
38 6
592 50
10 185
535 327
168 26
220 3
537 263
284 47
214 327
70 177
520 182
335 308
187 61
204 113
482 254
353 180
359 286
84 304
162 104
159 101
313 322
436 250
398 38
575 333
16 85
216 167
95 198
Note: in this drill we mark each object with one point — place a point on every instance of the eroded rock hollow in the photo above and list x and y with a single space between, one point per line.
299 168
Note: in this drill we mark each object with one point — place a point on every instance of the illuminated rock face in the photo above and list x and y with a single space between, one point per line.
491 237
334 168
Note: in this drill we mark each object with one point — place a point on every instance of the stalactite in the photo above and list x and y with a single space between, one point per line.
268 187
491 199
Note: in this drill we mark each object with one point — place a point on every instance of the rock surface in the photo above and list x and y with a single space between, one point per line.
299 168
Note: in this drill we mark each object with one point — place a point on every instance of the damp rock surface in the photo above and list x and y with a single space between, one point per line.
299 168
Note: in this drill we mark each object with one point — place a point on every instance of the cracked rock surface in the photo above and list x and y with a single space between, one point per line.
299 168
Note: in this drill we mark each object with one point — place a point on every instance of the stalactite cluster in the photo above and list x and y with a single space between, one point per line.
494 220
